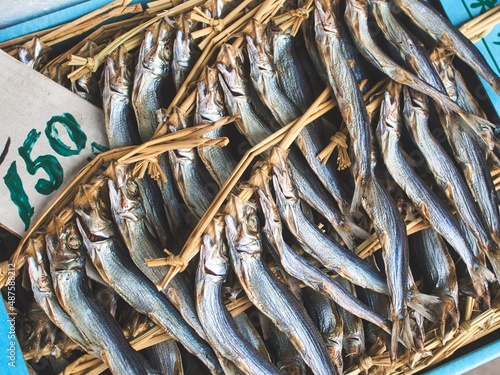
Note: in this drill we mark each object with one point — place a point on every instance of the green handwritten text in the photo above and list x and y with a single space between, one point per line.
75 133
18 195
48 163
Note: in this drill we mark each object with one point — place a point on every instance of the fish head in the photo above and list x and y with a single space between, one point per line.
124 194
441 60
89 206
183 40
389 126
325 19
284 187
33 53
209 98
242 226
117 71
66 251
230 66
270 212
86 86
38 265
415 107
259 49
214 255
157 59
36 333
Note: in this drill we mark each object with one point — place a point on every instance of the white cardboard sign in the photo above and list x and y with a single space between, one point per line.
47 134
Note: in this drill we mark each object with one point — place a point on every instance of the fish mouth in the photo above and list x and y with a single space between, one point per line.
67 261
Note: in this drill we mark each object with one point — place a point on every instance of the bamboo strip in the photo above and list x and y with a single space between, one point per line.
98 36
480 26
86 17
154 7
191 247
86 362
13 43
92 64
90 24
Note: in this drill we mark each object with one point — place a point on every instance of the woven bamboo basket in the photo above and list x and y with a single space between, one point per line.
473 325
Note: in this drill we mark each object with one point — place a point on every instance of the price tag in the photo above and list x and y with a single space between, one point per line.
47 135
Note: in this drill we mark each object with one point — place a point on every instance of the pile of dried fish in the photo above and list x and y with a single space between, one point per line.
288 280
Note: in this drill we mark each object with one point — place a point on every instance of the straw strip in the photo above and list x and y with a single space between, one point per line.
99 58
339 141
98 36
159 5
122 155
13 43
216 26
293 18
480 26
119 12
149 338
206 54
191 247
86 17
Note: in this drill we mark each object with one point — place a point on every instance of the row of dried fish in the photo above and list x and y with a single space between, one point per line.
292 248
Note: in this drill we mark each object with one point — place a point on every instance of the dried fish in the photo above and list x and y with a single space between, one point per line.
121 127
116 267
310 275
447 176
326 317
266 292
264 79
165 357
409 47
439 273
45 294
128 212
153 65
102 331
388 132
220 328
317 244
184 50
439 28
210 108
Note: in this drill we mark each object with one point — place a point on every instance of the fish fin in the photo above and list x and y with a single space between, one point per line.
426 305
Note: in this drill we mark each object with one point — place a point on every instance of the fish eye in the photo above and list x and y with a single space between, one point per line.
74 242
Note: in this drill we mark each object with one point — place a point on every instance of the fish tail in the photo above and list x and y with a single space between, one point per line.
481 276
449 310
428 306
401 333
